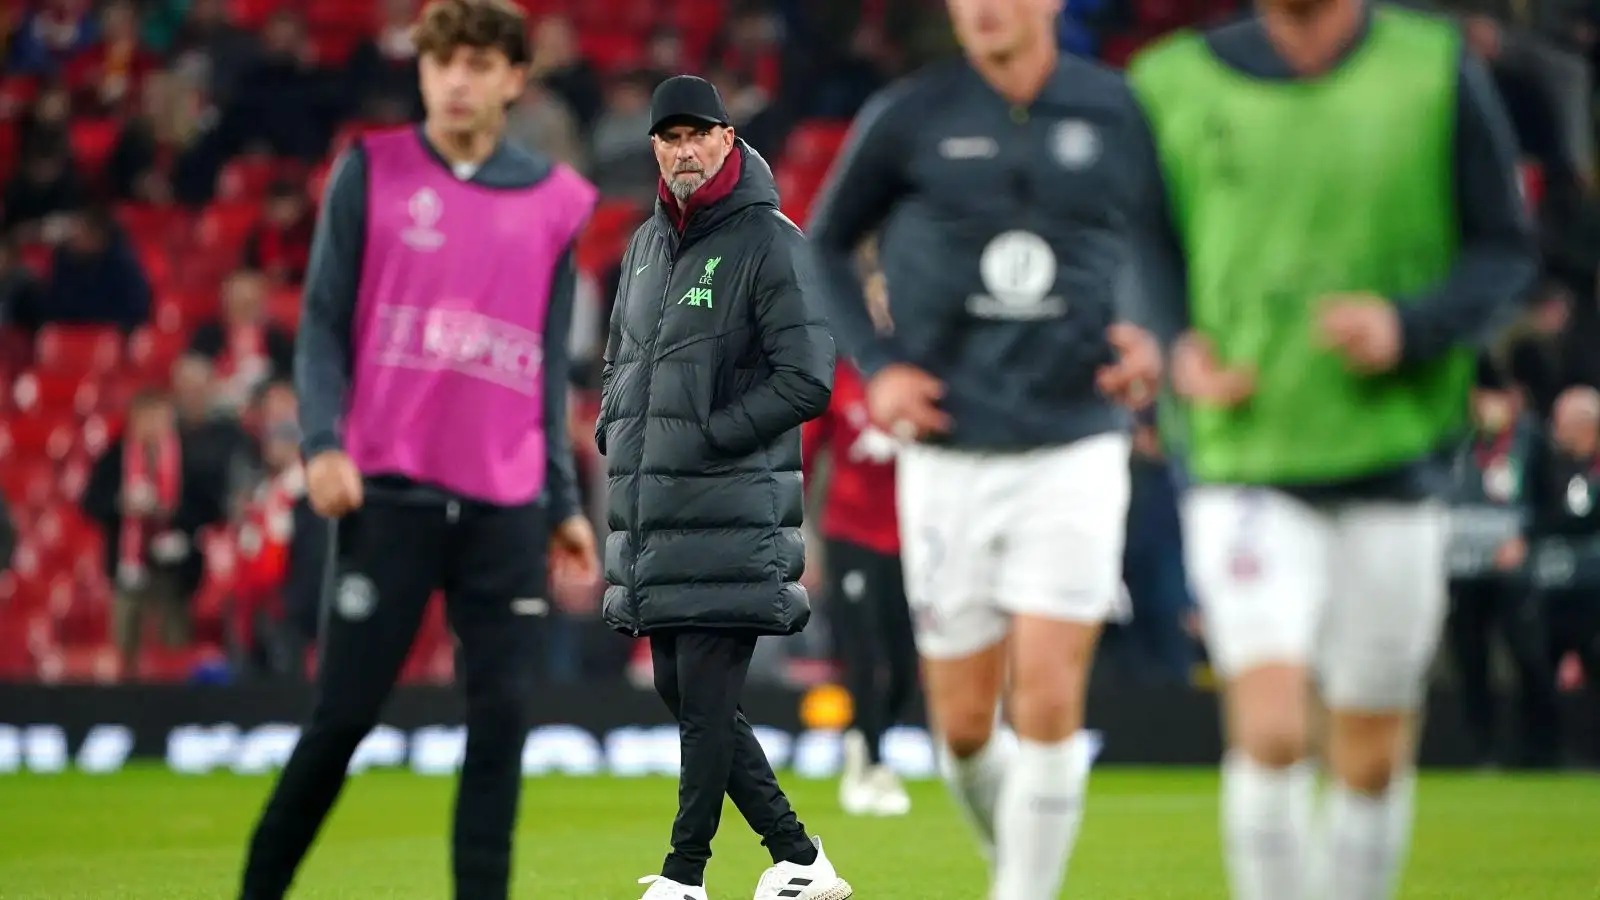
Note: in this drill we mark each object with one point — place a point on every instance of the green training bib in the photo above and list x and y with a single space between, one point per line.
1284 192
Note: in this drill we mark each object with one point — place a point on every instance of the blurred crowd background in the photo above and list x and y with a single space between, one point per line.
162 161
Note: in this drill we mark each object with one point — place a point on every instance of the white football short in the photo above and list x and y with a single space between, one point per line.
986 536
1355 591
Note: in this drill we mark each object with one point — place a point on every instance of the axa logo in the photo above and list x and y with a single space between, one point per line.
700 295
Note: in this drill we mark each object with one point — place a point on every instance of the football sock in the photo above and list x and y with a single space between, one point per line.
1036 822
1266 827
975 783
1365 840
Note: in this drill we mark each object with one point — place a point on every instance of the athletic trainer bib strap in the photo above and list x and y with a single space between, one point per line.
1280 200
449 325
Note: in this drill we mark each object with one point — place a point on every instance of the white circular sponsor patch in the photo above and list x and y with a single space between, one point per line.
357 597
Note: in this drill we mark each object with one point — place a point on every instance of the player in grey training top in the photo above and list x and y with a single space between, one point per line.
1000 189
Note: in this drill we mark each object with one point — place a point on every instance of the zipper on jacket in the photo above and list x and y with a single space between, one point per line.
661 313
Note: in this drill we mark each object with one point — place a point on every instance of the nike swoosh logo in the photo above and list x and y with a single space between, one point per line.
641 268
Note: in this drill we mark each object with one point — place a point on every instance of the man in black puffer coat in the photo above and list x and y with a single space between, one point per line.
715 357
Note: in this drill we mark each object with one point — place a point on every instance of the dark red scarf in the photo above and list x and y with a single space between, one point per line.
718 188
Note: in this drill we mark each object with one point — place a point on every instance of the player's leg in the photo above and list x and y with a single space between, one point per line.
851 622
858 579
389 554
1472 616
901 670
899 645
1377 642
960 632
1258 559
1060 575
494 569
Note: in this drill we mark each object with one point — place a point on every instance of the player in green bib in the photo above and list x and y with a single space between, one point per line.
1341 228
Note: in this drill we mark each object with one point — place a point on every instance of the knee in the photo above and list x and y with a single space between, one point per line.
1366 751
1047 708
967 729
1268 716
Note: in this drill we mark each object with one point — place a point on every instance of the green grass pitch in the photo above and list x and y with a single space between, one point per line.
143 834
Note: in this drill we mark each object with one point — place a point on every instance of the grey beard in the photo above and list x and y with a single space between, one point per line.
684 188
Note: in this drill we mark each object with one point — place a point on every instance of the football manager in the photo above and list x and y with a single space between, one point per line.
716 355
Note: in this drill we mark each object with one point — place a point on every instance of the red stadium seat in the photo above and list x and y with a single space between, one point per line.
92 141
25 438
247 178
147 222
55 392
815 143
27 481
37 258
153 352
223 228
78 349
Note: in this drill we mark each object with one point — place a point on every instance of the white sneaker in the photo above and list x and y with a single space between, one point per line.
889 797
667 889
855 794
789 881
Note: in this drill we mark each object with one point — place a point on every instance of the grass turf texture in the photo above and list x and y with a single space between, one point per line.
144 834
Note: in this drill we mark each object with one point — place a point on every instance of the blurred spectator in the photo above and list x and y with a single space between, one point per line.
558 63
44 123
748 44
141 494
663 56
540 121
56 31
110 72
282 544
211 51
1549 355
1564 487
95 276
134 170
845 84
623 163
280 244
21 295
45 187
244 348
283 103
754 117
383 70
216 445
1489 597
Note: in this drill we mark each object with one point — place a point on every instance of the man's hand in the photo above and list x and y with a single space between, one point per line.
905 400
333 484
1198 376
1510 555
1363 328
572 553
1132 379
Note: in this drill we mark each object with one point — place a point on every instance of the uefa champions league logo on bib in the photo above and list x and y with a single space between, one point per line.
425 209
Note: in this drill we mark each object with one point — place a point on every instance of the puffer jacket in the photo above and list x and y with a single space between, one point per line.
717 354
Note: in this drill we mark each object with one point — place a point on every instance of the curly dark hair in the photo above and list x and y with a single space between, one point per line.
483 24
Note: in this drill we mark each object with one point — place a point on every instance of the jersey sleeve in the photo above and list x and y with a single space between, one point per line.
322 355
862 188
1498 257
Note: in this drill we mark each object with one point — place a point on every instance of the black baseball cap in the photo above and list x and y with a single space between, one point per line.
686 100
